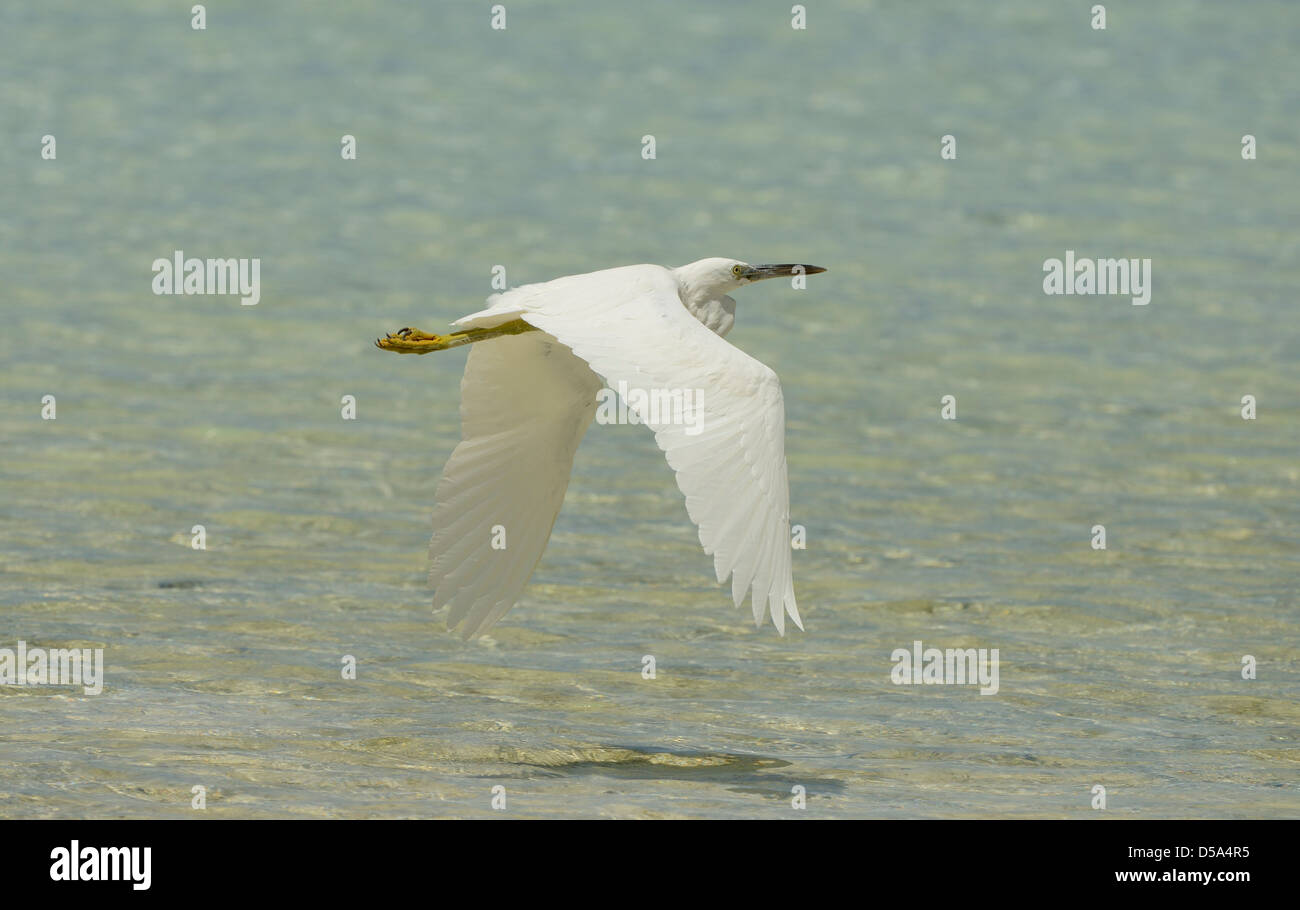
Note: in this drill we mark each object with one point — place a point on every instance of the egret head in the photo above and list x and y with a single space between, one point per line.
720 276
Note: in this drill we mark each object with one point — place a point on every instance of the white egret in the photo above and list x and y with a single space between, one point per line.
530 392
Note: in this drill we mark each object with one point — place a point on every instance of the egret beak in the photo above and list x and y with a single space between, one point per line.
759 272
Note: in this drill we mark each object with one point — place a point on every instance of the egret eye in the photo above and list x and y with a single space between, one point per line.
737 270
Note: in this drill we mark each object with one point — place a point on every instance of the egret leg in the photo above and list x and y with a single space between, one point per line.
413 341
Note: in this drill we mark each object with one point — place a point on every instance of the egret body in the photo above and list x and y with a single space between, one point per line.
541 354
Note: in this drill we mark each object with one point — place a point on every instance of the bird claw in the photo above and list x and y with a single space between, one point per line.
407 340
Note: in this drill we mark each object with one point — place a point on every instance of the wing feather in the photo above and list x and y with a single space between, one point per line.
630 326
526 402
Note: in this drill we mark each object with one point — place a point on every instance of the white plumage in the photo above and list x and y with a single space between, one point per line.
527 400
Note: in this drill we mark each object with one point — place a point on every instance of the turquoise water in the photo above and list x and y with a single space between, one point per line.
522 148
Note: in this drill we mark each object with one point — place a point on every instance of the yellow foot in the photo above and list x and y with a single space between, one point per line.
413 341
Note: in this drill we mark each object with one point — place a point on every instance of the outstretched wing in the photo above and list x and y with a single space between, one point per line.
526 402
630 325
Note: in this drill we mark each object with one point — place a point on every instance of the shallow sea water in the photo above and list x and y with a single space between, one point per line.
478 147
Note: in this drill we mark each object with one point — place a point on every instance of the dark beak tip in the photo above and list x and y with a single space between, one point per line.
774 271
